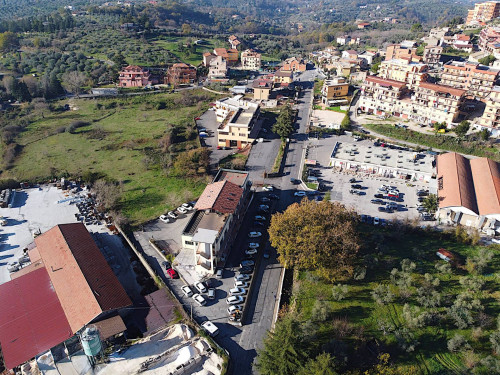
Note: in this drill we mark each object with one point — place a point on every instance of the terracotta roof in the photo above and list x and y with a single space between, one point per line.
486 177
84 282
220 52
385 82
442 88
206 54
455 184
262 84
133 68
110 327
233 37
222 197
30 268
283 73
180 65
32 319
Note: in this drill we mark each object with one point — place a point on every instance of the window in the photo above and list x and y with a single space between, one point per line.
189 243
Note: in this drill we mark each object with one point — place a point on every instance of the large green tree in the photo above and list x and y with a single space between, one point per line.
462 128
316 236
284 123
8 41
431 203
323 364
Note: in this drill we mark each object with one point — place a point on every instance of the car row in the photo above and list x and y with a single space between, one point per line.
170 216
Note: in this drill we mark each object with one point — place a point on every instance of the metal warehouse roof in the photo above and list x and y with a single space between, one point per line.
31 318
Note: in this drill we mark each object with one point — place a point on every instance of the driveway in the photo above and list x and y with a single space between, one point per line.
208 121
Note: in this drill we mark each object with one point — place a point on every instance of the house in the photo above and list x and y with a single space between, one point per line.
483 12
231 55
136 76
217 68
67 286
478 80
282 78
368 56
238 119
363 25
234 42
462 42
335 91
343 68
468 191
219 211
181 74
294 65
343 40
262 89
349 54
250 60
401 51
488 35
445 255
432 55
207 58
403 70
490 119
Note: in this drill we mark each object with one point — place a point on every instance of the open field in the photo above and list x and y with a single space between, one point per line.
190 55
120 140
415 336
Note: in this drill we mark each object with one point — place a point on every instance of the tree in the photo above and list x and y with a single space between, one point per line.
186 29
323 364
346 122
8 41
73 81
484 134
495 341
457 343
339 292
107 193
382 294
462 128
316 236
487 60
430 203
416 27
283 352
284 123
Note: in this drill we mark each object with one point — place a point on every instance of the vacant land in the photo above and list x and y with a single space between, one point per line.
185 50
407 302
122 140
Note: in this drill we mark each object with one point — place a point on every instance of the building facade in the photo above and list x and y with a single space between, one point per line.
478 80
397 51
250 60
490 119
483 12
135 76
294 65
432 55
381 96
181 74
217 68
335 91
405 71
262 89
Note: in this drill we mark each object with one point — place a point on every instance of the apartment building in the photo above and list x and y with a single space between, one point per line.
335 91
250 60
381 96
237 118
294 65
401 51
483 12
230 55
181 74
136 76
219 211
478 80
283 78
489 40
217 68
491 117
234 41
432 55
403 70
262 89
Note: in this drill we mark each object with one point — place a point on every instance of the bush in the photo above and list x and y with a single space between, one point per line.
75 125
382 294
339 292
457 343
321 311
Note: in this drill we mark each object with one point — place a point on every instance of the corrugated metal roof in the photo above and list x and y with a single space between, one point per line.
84 282
486 176
32 319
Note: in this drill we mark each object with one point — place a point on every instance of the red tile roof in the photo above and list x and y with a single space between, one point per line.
442 88
486 176
385 82
222 197
84 282
32 319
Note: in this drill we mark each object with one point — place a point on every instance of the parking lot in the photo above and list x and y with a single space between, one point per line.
208 121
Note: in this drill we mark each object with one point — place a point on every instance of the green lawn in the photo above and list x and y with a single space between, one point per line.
121 141
187 55
357 319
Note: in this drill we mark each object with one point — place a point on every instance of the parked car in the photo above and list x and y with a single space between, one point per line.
247 263
376 221
251 251
172 214
422 193
187 206
13 266
259 224
300 193
253 245
420 199
219 272
379 195
234 300
268 188
245 270
352 180
427 217
377 201
201 287
363 218
266 255
265 200
242 277
240 284
210 328
382 209
234 309
165 219
254 234
260 218
237 291
295 181
172 273
421 209
211 293
182 210
356 186
167 265
186 289
199 299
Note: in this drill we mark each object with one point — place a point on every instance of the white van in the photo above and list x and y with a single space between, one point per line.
312 179
210 328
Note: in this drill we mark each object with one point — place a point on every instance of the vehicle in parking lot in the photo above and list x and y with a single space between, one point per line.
265 200
377 201
240 284
357 192
234 309
422 193
421 209
253 245
201 287
172 273
376 221
254 234
237 291
242 277
420 199
266 255
210 328
427 216
13 266
251 251
247 263
234 300
268 188
264 207
186 289
300 193
245 270
199 299
211 293
379 195
260 218
187 206
383 222
182 210
167 265
352 180
219 272
363 218
356 186
295 181
259 224
382 209
172 214
369 219
165 219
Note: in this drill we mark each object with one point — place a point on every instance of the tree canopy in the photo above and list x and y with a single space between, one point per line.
316 236
284 123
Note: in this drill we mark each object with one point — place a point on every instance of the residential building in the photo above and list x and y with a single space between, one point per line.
368 56
343 40
411 73
478 80
463 43
217 68
136 76
487 36
207 58
234 42
381 96
250 60
67 286
219 211
343 68
335 91
469 191
483 12
238 119
282 78
398 51
432 55
349 54
230 55
363 25
181 74
294 65
262 89
490 119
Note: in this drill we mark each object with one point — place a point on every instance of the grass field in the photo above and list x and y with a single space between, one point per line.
357 319
120 141
189 56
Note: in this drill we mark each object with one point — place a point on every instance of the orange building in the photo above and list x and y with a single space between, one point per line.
135 76
483 12
180 74
294 65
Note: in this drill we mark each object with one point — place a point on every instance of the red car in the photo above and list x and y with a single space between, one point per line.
172 273
197 118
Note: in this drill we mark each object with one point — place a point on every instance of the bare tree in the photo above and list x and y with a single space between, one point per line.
74 81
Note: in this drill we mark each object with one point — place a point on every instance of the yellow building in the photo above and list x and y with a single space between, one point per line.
491 117
262 89
404 70
335 91
283 77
